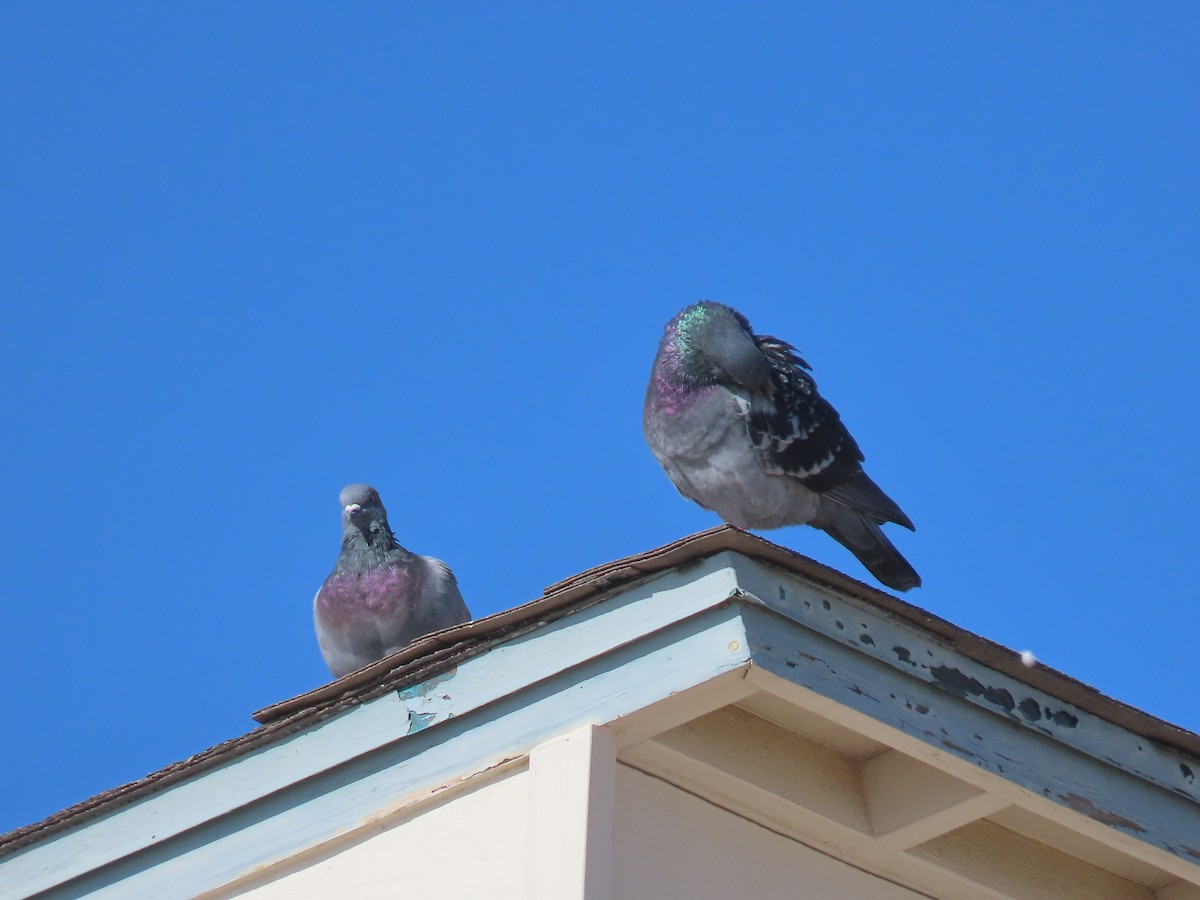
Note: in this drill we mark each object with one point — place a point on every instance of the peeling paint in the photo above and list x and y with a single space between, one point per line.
1092 811
956 682
840 626
782 594
1030 709
424 687
826 604
1063 718
1186 771
419 721
903 655
865 638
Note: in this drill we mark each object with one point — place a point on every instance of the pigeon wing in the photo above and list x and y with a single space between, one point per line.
796 430
800 434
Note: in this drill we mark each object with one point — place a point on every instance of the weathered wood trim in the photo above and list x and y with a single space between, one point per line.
380 756
988 749
904 646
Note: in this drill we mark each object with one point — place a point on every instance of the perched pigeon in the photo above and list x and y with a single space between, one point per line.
379 597
738 425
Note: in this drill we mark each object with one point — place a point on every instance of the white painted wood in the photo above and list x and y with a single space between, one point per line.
1028 824
748 791
1180 890
678 709
783 765
845 742
911 802
569 849
466 847
1018 867
671 845
801 789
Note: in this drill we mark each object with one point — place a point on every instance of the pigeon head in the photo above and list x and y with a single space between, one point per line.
363 511
715 345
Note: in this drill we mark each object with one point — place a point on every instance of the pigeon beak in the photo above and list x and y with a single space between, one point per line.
352 508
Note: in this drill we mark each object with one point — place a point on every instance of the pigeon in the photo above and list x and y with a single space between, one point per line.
737 423
379 596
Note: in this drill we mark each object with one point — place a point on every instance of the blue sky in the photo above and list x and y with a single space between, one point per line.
251 253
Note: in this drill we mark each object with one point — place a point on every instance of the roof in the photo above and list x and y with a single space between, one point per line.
425 658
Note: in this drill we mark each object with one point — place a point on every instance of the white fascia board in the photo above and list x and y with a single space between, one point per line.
594 666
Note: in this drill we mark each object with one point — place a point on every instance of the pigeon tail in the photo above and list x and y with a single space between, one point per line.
866 540
866 497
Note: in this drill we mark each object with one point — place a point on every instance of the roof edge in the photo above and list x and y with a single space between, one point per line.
622 572
443 649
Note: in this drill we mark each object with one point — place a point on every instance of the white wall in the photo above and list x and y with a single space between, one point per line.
470 846
671 845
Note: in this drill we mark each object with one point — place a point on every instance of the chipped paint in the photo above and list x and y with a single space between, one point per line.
956 682
865 638
1092 811
419 721
422 688
1062 717
952 696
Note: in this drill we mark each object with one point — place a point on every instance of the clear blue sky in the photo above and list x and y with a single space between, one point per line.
252 252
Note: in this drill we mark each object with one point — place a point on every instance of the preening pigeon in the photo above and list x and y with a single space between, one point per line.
379 596
738 424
